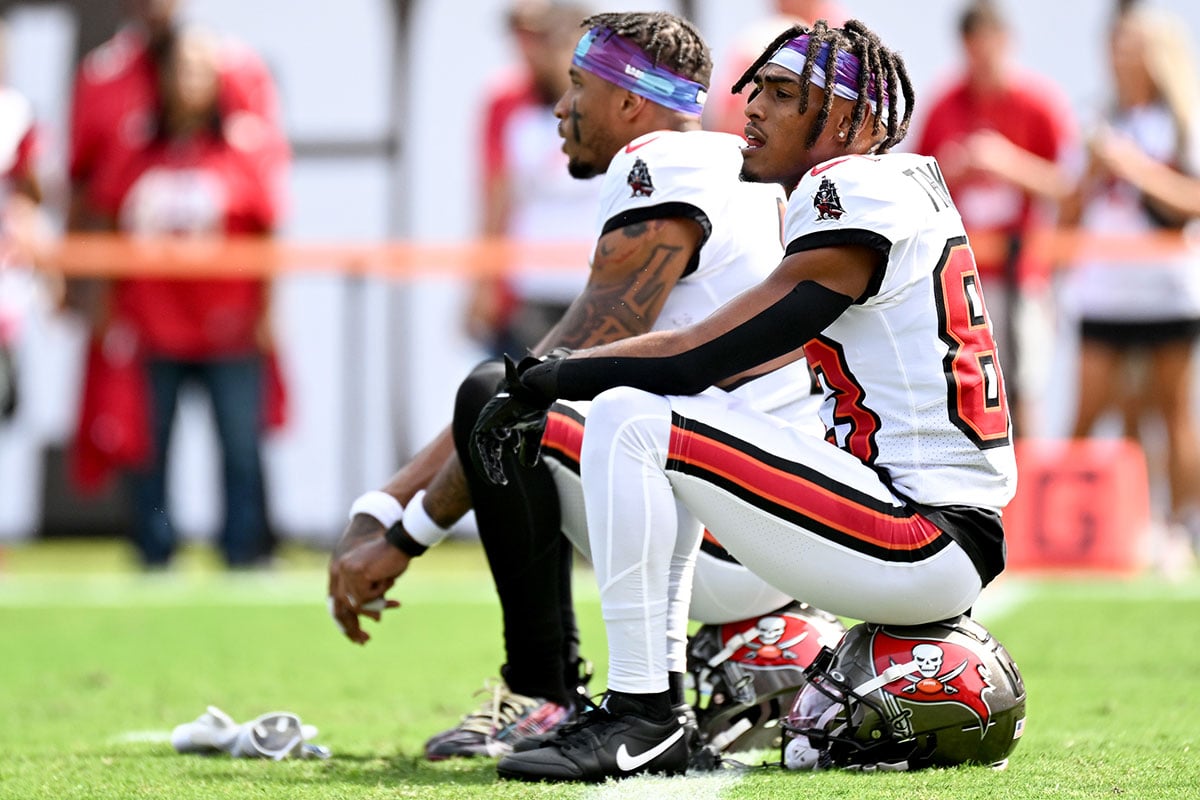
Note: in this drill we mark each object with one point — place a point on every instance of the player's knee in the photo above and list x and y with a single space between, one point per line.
623 402
627 413
473 393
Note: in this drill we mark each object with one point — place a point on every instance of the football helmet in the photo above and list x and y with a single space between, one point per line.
892 697
743 674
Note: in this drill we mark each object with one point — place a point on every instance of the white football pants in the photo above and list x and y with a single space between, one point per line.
810 519
718 591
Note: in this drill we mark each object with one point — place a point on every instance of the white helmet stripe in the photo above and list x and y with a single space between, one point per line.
892 673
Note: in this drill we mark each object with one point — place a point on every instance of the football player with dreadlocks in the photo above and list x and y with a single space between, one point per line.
894 518
678 233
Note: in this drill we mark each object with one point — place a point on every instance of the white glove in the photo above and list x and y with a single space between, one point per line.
213 731
277 735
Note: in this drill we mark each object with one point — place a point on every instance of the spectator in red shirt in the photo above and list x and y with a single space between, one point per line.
115 98
114 109
998 133
203 172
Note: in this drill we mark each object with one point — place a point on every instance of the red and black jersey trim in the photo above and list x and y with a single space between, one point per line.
563 438
802 496
562 442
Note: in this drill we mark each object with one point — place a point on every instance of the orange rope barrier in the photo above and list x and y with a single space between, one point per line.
1067 247
115 255
112 255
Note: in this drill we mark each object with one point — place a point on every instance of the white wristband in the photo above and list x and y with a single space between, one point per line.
419 525
380 505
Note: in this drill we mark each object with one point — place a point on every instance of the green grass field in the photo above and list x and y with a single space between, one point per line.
99 663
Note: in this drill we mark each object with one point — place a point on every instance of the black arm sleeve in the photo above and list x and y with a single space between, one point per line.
799 316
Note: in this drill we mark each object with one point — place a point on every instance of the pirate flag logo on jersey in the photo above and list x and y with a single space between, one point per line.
826 201
639 180
938 672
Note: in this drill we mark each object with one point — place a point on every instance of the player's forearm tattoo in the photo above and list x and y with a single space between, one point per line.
609 312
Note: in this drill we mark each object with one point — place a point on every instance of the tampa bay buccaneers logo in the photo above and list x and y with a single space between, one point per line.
826 201
938 672
773 640
639 180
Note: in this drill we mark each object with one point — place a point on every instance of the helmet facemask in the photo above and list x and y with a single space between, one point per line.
828 717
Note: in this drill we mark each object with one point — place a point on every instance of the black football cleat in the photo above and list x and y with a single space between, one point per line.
687 718
602 745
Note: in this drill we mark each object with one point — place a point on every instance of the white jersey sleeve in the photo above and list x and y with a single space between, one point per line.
696 175
858 200
667 174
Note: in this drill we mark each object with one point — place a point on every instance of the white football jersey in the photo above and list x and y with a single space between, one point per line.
695 174
910 374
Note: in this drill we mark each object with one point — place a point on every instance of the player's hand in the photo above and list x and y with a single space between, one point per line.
514 419
362 569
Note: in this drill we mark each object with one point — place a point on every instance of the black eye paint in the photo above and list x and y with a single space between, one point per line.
575 117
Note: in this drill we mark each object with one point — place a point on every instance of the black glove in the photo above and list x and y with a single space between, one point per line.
515 417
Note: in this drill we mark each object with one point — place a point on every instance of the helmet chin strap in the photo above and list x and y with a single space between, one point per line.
892 673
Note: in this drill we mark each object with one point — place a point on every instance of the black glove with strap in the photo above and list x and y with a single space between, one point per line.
515 417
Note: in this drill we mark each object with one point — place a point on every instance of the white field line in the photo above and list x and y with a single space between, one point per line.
1000 599
116 590
307 587
125 590
709 786
1009 593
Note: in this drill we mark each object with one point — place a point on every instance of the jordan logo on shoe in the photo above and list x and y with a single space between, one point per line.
628 763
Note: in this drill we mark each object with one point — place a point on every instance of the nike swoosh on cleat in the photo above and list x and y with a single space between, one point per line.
628 763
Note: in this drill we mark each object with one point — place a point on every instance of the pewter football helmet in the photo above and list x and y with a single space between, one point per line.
745 673
892 697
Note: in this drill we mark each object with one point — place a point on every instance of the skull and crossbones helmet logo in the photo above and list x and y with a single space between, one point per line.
769 641
928 677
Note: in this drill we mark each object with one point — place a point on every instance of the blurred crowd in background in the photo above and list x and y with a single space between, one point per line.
176 128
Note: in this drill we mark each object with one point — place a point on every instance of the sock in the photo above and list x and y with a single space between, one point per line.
675 688
655 706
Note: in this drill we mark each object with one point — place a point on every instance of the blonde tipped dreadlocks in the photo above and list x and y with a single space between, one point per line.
881 72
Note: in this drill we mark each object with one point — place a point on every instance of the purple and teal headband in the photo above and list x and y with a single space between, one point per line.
794 53
619 61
